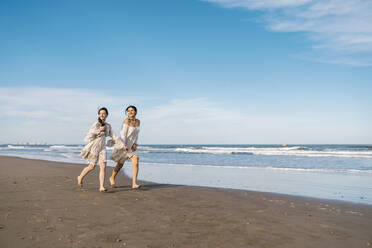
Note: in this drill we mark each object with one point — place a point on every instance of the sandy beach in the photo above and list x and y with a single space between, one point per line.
41 206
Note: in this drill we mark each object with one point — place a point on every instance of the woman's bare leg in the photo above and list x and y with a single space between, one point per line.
83 173
102 174
134 172
115 171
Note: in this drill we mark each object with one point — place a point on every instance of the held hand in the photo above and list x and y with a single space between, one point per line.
102 128
125 148
134 147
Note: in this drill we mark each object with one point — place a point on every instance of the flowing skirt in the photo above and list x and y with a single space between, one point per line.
95 151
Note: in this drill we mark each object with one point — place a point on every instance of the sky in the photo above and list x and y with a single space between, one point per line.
199 71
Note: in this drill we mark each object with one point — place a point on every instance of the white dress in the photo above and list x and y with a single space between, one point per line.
95 151
128 137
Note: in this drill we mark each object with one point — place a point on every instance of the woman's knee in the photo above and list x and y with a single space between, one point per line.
135 160
118 167
102 166
91 166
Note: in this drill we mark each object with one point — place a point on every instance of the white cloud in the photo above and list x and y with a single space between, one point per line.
196 111
64 115
199 120
55 115
338 28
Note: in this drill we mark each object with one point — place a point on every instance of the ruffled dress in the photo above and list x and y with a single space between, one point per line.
95 149
128 137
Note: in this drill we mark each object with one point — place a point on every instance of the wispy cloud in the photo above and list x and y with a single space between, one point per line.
197 111
200 120
340 30
63 116
54 114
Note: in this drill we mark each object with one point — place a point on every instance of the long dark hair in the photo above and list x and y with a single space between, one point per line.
99 119
130 106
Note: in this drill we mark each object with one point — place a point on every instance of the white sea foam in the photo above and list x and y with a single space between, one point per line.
59 147
266 168
19 147
157 149
299 151
62 147
279 151
16 147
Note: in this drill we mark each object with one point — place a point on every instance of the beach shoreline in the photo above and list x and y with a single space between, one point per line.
318 171
41 206
127 168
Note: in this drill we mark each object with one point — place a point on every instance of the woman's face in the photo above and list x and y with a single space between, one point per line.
131 113
102 115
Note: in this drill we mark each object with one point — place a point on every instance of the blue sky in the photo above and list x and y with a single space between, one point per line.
216 71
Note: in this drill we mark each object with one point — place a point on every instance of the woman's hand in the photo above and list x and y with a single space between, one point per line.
102 128
134 147
125 148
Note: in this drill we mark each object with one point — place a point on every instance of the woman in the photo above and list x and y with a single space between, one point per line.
129 136
95 151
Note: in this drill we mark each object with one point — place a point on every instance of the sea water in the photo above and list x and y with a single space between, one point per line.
341 172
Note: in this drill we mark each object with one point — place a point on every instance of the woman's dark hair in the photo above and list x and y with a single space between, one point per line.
130 106
99 119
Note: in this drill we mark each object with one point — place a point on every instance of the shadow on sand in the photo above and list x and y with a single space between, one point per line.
144 187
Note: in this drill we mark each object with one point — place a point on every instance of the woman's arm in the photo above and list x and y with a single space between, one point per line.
124 133
115 140
135 141
92 133
134 146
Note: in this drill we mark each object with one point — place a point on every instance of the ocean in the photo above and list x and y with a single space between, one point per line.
338 172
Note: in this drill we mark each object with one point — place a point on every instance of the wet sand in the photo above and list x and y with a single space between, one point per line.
41 206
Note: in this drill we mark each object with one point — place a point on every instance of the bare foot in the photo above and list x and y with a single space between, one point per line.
136 186
102 190
80 182
112 182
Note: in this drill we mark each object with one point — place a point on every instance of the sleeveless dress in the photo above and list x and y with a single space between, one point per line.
128 137
95 151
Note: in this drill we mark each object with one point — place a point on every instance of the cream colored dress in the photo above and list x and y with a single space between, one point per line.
95 151
128 137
